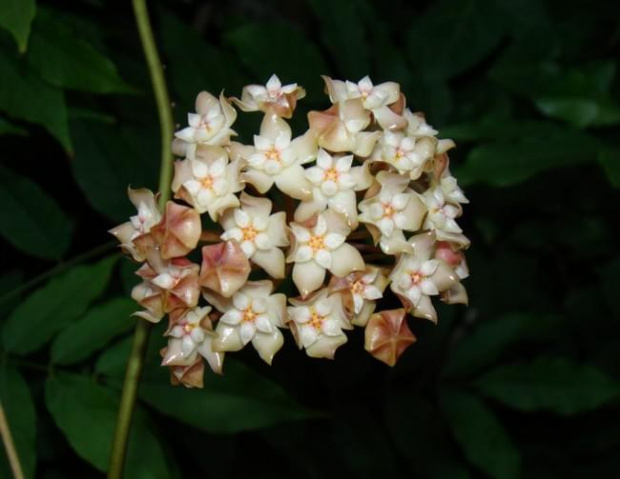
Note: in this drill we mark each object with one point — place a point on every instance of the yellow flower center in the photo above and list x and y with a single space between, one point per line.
249 233
316 320
416 277
249 315
188 327
388 210
273 154
317 242
331 174
207 182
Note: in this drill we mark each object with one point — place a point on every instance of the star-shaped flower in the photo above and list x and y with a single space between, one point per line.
225 268
273 97
388 335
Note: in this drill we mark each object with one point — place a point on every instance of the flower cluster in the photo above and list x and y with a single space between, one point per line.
358 211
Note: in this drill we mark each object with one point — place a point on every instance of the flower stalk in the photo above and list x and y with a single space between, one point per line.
9 446
141 335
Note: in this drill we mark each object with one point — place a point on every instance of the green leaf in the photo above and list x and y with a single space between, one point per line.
31 220
277 48
610 159
108 159
67 61
241 400
483 439
16 16
98 326
453 36
86 413
57 304
549 384
509 162
24 95
21 416
7 128
486 344
343 31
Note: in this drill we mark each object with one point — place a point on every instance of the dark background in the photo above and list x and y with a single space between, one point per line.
522 383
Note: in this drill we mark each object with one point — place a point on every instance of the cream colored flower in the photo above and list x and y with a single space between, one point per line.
417 126
442 215
209 182
277 159
259 233
416 277
408 155
317 324
253 315
393 209
321 247
210 125
334 182
275 97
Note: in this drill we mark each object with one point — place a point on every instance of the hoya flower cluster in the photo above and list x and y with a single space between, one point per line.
314 234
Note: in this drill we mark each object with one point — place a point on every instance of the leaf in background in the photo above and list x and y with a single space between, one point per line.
277 48
453 36
552 384
9 281
108 159
86 413
610 159
610 279
485 345
511 162
483 439
21 415
207 68
7 128
98 326
67 61
24 95
54 306
16 16
30 219
241 400
342 30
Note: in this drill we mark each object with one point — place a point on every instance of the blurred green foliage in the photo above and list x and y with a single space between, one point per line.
523 383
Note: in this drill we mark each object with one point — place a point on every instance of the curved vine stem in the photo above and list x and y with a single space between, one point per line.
141 335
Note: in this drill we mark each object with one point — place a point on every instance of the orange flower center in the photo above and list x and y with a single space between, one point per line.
207 182
331 174
249 233
416 277
388 210
273 154
249 315
358 287
316 320
317 242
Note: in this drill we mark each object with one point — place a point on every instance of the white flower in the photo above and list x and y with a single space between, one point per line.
318 323
417 126
189 330
394 209
451 191
416 277
372 96
334 184
406 154
441 216
208 183
322 247
209 126
253 315
259 233
277 159
273 96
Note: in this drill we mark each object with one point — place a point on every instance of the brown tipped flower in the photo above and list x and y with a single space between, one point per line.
178 232
191 376
388 335
225 268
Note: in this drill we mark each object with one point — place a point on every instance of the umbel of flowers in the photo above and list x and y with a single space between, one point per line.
359 211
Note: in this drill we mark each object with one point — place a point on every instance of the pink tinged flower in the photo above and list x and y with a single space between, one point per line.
178 232
191 376
259 233
394 208
340 128
334 182
209 182
139 225
317 324
210 125
252 315
406 154
442 216
277 159
225 268
453 256
416 277
319 247
273 97
359 291
387 335
167 286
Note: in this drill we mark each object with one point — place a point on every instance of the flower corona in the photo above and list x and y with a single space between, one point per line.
360 212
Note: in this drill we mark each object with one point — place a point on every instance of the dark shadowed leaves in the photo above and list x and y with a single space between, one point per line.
16 16
21 416
483 439
610 159
93 331
55 305
552 384
31 220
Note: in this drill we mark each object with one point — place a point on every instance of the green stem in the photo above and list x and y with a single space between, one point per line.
9 446
141 335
